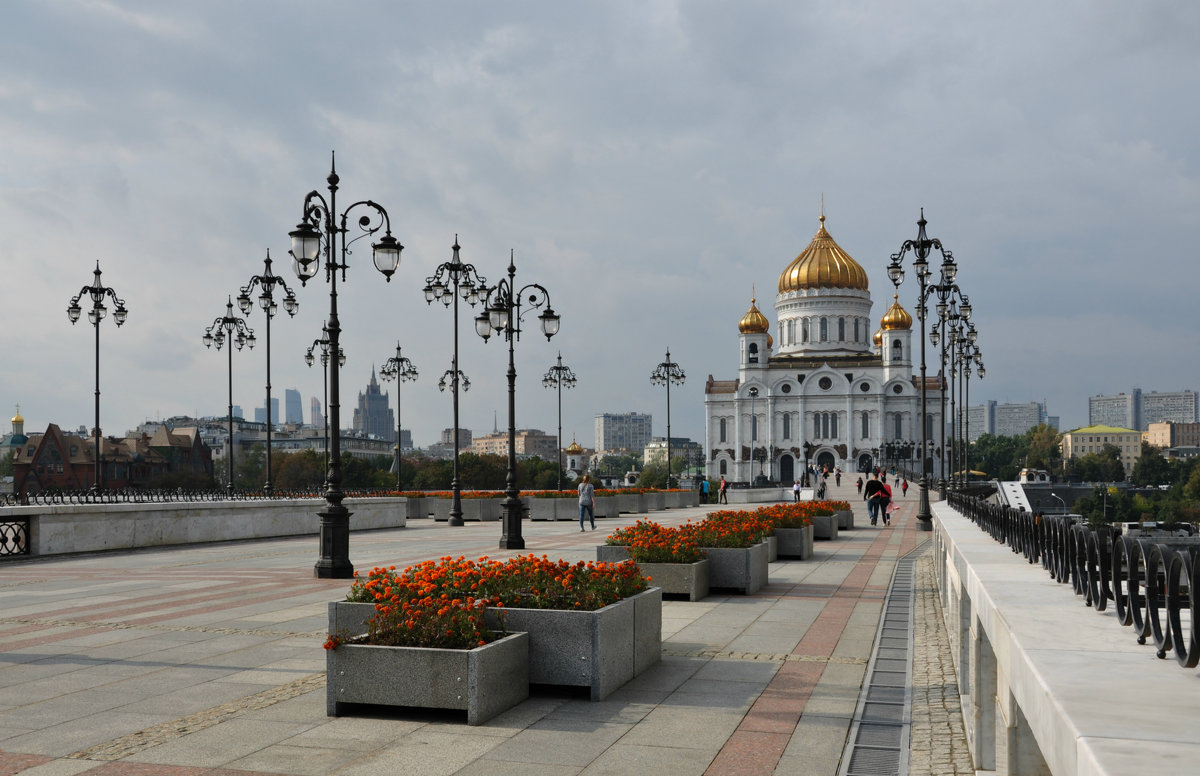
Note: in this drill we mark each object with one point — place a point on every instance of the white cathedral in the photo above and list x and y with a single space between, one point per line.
835 394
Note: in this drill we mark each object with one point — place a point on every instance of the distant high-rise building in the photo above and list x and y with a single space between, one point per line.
260 413
1169 407
1137 410
373 417
237 411
1015 419
623 431
293 408
1122 411
314 412
981 419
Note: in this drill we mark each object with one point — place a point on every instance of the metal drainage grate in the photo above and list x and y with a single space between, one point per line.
879 733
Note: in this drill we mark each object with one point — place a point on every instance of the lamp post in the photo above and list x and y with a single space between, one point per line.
323 230
402 369
559 376
665 373
323 344
753 393
921 247
266 300
97 291
450 281
502 313
234 329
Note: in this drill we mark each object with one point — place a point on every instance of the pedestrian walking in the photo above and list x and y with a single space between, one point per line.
704 491
587 502
796 490
904 488
885 504
859 485
838 478
722 491
821 490
871 493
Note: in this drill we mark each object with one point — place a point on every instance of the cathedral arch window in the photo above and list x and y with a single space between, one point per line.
787 425
856 321
841 329
824 329
753 428
753 353
866 425
723 430
896 432
897 350
724 468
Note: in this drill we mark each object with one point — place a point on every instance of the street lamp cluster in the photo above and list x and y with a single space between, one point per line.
666 373
504 307
400 368
322 344
232 330
98 292
559 376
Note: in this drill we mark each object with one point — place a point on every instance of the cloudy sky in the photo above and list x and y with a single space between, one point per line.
651 163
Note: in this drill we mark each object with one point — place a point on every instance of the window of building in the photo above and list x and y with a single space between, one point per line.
804 330
753 428
897 350
787 425
896 433
724 469
866 426
753 353
856 329
841 329
824 329
817 425
723 432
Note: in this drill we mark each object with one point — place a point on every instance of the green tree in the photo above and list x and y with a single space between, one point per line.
249 471
1042 446
299 471
1151 468
654 473
618 464
1000 456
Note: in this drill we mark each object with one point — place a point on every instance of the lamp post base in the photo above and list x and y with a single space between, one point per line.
334 562
512 539
924 525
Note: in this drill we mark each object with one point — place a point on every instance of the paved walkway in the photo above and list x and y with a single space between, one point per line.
207 660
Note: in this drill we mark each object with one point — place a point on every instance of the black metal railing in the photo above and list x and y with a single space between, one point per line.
1148 575
170 495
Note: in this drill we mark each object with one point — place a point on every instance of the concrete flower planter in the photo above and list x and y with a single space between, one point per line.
795 543
416 507
550 508
612 553
743 570
845 520
482 682
630 503
772 548
606 506
601 650
825 526
653 501
689 580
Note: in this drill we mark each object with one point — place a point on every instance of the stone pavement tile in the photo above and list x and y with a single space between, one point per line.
838 690
219 745
706 634
797 613
624 759
756 671
357 733
857 642
616 711
126 768
13 762
748 753
772 712
197 696
308 707
504 725
716 694
280 672
62 739
299 760
665 676
815 748
487 767
425 752
769 638
58 768
559 741
686 726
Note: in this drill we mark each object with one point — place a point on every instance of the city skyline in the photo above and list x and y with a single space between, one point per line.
653 165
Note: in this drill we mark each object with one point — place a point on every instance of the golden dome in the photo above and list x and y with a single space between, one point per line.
878 338
753 322
823 264
17 418
574 448
896 317
770 341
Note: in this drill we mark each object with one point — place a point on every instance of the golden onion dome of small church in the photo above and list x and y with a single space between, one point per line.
753 322
878 338
896 317
574 448
823 264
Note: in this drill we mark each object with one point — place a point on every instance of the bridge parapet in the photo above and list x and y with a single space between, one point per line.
1050 681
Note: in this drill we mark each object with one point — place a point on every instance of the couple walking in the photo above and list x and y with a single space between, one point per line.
878 495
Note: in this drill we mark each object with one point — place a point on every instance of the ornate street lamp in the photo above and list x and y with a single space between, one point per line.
921 247
323 345
502 313
753 393
953 309
97 291
266 300
665 373
322 232
559 376
234 329
401 369
450 281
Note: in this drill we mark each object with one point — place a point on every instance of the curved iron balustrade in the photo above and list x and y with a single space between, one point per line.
1149 579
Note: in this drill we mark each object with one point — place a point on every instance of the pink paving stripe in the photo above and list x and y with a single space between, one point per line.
11 763
761 739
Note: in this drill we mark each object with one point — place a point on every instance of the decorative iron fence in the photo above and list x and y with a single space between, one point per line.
1148 575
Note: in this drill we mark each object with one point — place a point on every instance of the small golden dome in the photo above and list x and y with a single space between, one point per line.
823 264
753 322
770 341
17 418
896 317
574 448
878 338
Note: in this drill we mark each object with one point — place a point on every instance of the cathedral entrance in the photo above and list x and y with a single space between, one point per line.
826 460
864 462
787 469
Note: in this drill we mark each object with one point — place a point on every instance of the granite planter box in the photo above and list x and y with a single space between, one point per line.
601 650
845 520
772 548
482 682
795 542
653 501
439 508
550 508
612 553
606 506
689 580
348 619
825 526
416 507
744 570
630 503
